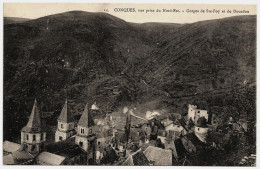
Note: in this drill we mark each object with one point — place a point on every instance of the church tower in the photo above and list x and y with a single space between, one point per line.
32 135
83 130
65 128
85 137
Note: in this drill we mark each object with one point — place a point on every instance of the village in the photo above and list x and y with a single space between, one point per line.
161 140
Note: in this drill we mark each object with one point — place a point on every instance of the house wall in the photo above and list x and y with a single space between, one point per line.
191 111
201 133
163 139
173 127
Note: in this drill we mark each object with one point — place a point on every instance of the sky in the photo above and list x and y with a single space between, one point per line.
37 10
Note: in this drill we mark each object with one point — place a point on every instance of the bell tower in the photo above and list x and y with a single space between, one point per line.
32 135
65 128
83 130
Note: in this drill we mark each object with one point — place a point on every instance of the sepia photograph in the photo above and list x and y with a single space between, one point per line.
117 84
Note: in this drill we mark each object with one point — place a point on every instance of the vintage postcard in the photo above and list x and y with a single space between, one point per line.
129 84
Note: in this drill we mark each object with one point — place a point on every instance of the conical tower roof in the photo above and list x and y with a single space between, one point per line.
66 115
83 121
34 124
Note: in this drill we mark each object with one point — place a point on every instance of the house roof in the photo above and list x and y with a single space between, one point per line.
21 156
70 153
201 105
66 115
8 159
104 134
50 158
34 124
191 141
202 122
67 148
59 146
166 122
159 156
217 137
170 144
10 147
137 134
120 137
94 106
138 158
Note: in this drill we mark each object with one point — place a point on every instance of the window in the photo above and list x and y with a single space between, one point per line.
33 147
145 128
80 144
82 130
60 138
98 142
34 137
27 137
198 129
41 136
61 126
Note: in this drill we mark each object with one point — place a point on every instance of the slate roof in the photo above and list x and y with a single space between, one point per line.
120 137
50 159
166 122
34 124
191 142
137 134
161 157
67 148
84 120
10 147
66 115
58 146
70 153
219 138
104 134
161 133
22 156
202 122
170 144
138 158
8 159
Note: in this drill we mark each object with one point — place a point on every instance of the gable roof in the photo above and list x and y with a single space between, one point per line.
66 115
159 156
83 121
21 156
34 124
8 159
50 159
59 146
137 158
10 147
191 142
